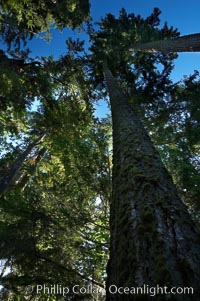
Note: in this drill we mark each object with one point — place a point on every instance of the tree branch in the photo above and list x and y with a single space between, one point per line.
12 175
71 271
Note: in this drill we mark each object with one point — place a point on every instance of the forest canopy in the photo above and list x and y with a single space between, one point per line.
56 165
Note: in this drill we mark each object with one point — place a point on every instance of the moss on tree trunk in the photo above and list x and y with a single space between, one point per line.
153 239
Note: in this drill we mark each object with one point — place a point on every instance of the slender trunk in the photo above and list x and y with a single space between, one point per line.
153 239
187 43
13 174
23 179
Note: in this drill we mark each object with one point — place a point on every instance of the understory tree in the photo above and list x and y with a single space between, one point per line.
55 171
54 187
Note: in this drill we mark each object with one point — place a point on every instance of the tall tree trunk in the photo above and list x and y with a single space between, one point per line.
187 43
153 239
14 174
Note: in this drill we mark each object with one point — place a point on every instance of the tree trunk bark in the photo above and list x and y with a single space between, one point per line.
153 239
13 174
187 43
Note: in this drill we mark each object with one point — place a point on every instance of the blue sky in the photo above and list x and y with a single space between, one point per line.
181 14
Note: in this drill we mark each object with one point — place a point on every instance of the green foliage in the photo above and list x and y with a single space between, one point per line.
175 131
54 220
116 35
144 77
21 20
